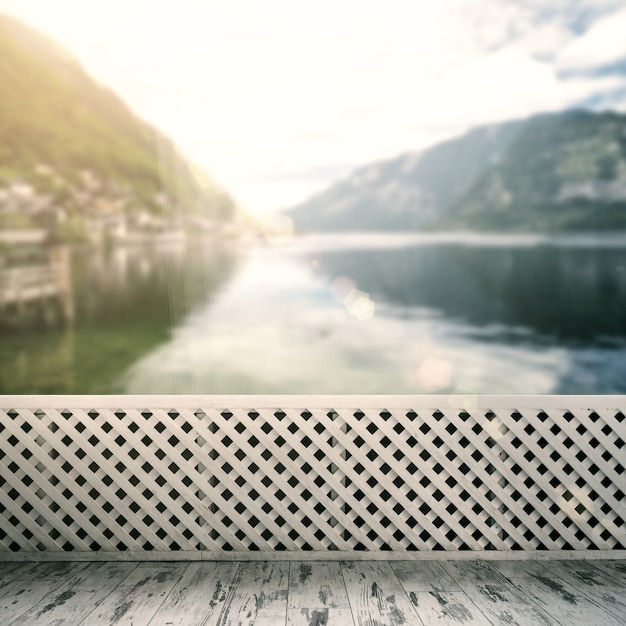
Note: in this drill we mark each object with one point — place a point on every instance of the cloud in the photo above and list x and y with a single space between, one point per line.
270 105
602 44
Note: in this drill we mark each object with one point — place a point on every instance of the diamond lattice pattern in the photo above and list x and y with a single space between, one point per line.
264 479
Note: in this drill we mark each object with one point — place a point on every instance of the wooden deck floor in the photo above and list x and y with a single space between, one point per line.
365 593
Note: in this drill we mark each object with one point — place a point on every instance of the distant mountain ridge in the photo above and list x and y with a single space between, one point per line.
551 172
76 148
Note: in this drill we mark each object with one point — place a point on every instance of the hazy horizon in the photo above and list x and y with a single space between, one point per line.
277 109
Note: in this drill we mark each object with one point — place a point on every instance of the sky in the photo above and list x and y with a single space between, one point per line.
277 99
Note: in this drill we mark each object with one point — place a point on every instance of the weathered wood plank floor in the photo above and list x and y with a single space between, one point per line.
365 593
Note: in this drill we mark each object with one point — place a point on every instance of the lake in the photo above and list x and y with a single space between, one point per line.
338 314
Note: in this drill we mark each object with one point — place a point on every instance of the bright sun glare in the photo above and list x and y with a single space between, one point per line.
278 99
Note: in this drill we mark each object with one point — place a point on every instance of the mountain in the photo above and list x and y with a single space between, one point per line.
71 148
551 172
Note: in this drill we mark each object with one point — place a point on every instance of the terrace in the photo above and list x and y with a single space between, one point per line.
312 509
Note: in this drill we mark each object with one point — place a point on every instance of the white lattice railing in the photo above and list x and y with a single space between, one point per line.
345 473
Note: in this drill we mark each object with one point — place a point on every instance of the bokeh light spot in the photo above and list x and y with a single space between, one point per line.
359 304
435 374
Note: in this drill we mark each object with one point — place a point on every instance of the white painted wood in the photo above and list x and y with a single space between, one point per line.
446 608
376 596
363 474
503 604
521 569
19 597
11 571
563 601
72 601
482 402
581 574
54 571
258 594
473 572
615 569
135 601
596 556
314 585
199 597
319 617
423 576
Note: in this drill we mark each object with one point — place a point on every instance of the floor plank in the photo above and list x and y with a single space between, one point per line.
19 597
446 608
473 572
53 570
583 575
199 597
594 583
319 617
258 595
135 600
376 595
13 571
565 603
423 576
519 569
316 593
317 585
505 605
616 569
76 597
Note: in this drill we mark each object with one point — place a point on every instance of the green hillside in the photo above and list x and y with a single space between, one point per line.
75 142
563 172
554 172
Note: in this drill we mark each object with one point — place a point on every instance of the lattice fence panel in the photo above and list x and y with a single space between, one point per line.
317 474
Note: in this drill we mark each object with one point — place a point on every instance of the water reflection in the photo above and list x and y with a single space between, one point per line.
392 314
126 302
403 315
558 291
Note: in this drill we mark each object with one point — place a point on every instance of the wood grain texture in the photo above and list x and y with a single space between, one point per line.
314 585
472 572
520 569
13 571
75 598
199 597
446 608
423 576
137 598
376 595
584 576
258 593
615 569
565 602
593 583
504 605
52 571
267 594
319 617
19 597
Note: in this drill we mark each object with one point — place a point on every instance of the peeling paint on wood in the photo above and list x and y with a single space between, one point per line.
258 591
137 598
199 597
316 585
565 603
273 593
447 608
423 576
319 617
376 595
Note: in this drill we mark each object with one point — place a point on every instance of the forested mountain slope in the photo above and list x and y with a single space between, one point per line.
553 172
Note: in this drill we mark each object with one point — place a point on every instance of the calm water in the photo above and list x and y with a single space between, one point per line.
339 314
